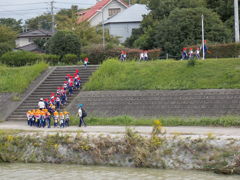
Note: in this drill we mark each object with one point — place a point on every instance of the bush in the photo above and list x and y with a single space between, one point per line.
70 59
51 59
97 54
4 47
20 58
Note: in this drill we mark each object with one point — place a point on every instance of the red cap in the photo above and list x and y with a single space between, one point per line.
68 75
52 94
190 48
77 70
65 82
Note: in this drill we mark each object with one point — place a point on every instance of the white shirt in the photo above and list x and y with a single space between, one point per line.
80 112
41 105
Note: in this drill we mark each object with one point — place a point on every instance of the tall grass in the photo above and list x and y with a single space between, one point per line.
166 75
17 79
224 121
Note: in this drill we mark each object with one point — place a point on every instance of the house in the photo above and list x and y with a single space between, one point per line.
25 41
102 11
122 24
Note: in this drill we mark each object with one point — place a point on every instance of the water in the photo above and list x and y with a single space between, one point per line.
78 172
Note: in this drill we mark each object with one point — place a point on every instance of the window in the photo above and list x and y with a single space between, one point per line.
113 11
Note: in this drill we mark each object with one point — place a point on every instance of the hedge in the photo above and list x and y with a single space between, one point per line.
22 58
230 50
97 54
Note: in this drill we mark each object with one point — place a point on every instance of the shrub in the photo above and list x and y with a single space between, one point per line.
70 59
51 59
20 58
97 54
4 47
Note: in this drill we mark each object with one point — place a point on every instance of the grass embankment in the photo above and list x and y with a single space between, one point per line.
17 79
224 121
166 75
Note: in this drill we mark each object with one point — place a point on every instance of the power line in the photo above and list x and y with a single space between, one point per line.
22 4
23 10
75 3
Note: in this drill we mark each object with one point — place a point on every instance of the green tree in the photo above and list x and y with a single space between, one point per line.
64 42
12 23
40 22
223 7
144 38
183 27
7 39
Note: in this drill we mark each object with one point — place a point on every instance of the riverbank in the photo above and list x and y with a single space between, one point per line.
161 150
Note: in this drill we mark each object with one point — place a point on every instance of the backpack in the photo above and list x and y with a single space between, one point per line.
84 113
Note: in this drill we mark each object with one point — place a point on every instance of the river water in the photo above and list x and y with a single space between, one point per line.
79 172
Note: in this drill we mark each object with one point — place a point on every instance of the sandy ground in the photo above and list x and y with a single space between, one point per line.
182 130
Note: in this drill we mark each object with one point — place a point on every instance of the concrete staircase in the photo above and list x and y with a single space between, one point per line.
48 85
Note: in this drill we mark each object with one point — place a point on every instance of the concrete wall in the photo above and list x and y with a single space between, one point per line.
122 30
7 105
159 103
97 19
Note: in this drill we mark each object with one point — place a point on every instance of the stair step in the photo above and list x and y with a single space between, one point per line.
50 84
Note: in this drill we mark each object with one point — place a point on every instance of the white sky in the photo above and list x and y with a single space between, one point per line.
25 9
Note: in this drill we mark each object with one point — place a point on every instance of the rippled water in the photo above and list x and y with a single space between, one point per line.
78 172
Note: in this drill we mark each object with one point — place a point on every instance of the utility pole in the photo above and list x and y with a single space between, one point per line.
129 2
203 38
103 30
53 18
236 18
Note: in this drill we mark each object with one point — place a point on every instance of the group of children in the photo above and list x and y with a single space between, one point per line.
42 118
190 54
50 108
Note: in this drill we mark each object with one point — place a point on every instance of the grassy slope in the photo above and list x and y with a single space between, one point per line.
166 75
224 121
17 79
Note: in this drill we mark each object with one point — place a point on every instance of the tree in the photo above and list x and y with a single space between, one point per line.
222 7
64 42
12 23
159 11
137 1
183 28
7 39
40 22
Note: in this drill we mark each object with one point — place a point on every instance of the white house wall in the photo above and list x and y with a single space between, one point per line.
20 42
97 19
122 30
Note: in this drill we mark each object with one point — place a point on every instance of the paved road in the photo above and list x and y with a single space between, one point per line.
182 130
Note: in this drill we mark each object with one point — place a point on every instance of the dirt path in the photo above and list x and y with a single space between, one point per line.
182 130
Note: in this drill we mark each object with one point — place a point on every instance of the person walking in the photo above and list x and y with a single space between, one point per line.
81 113
85 62
145 54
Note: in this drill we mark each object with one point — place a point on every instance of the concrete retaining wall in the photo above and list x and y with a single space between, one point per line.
159 103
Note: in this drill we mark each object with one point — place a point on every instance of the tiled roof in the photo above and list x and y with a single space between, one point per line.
36 33
93 10
132 14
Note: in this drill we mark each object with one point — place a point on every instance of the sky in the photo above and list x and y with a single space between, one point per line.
26 9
